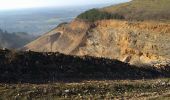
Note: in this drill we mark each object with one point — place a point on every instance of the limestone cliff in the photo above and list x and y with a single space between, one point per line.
134 42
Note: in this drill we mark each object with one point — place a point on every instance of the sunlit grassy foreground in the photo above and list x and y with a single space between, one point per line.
122 89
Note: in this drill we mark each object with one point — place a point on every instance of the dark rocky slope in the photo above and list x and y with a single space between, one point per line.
34 67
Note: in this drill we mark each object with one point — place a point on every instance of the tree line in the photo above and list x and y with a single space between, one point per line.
94 15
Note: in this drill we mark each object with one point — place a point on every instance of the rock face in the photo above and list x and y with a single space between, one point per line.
133 42
135 39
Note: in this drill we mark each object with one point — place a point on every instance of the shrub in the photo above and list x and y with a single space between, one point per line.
94 15
61 24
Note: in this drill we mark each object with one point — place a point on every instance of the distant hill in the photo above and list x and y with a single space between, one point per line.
142 10
14 40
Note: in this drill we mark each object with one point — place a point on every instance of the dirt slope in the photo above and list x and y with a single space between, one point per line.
63 39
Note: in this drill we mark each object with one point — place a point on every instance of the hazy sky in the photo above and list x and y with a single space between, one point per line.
16 4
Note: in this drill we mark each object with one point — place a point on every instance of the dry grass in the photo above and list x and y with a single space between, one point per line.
143 10
122 89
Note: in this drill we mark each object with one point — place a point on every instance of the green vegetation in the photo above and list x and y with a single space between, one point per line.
139 10
62 24
142 10
94 15
158 89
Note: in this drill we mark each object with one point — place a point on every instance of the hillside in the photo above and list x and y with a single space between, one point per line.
142 10
134 42
102 54
140 43
14 40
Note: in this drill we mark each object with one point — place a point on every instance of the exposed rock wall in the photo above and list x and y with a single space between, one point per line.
133 42
137 42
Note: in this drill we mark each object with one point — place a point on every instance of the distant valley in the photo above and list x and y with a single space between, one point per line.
19 27
40 20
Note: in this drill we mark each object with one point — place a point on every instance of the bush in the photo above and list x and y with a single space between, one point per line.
61 24
94 15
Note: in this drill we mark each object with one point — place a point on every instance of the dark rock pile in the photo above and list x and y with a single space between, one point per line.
34 67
